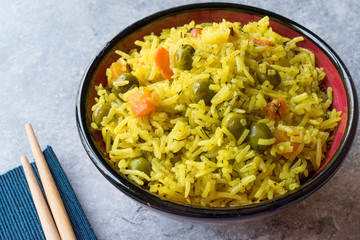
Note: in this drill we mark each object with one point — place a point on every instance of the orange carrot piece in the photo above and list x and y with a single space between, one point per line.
117 69
141 103
162 61
270 111
195 32
276 109
262 42
281 136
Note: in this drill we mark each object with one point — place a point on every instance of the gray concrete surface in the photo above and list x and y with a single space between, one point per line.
45 47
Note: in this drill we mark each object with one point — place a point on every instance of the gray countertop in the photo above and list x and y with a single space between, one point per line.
45 47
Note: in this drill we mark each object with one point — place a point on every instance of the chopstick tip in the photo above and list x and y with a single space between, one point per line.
23 159
29 128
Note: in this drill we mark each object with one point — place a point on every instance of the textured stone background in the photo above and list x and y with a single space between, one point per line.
45 46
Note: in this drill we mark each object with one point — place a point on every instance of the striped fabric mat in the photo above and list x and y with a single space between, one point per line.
18 217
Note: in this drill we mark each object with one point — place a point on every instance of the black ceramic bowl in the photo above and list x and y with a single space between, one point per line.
338 78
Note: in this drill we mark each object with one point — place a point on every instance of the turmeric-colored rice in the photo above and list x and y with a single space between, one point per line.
195 159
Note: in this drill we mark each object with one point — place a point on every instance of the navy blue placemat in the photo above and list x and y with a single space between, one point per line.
18 217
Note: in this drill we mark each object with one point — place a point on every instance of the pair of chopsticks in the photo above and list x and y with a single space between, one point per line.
63 228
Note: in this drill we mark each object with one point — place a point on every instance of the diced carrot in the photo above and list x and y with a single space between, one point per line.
195 32
117 69
261 42
141 103
280 137
270 111
276 109
162 61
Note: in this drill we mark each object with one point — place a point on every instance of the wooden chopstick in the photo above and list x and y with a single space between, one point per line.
52 194
42 209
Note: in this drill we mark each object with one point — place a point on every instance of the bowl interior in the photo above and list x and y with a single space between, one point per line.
337 76
333 78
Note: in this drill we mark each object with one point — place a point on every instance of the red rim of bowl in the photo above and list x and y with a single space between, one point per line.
338 77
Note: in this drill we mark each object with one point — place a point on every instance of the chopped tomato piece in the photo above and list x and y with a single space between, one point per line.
276 109
261 42
141 103
162 61
195 32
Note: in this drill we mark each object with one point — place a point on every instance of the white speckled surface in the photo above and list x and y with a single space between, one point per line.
45 46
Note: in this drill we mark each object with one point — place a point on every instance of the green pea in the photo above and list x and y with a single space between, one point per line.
183 57
132 82
141 164
100 112
270 75
201 91
259 131
235 123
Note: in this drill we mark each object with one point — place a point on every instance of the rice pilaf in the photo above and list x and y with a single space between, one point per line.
216 114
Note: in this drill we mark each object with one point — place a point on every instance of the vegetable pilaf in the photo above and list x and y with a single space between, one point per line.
216 114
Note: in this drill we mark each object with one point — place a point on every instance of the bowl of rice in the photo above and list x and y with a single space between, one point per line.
217 112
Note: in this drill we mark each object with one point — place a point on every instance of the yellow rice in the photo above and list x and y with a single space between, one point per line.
194 159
